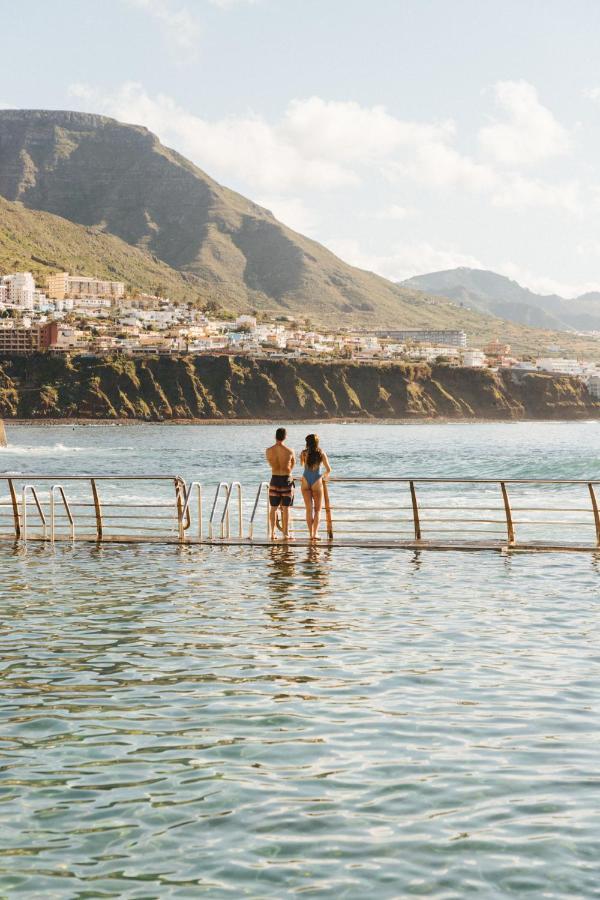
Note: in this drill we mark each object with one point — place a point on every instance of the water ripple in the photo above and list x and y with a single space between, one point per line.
270 722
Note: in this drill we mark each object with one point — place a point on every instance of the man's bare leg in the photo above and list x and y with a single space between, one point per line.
272 522
285 522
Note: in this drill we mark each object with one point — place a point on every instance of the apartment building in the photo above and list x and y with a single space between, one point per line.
440 338
21 339
63 285
20 289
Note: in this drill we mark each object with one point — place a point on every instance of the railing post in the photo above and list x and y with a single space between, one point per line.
415 509
98 510
180 501
15 508
200 513
510 531
595 509
327 505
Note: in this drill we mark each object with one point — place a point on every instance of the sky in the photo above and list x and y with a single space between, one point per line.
408 136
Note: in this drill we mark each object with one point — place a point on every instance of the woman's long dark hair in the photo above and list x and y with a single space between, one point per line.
314 455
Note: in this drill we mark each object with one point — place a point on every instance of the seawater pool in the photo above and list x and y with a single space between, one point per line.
266 722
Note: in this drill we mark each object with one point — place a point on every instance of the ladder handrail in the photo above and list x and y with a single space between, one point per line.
225 516
31 487
261 485
186 508
53 490
214 507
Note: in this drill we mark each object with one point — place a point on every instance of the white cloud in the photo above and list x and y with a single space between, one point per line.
405 260
528 132
394 212
592 94
319 144
244 147
291 210
520 193
227 4
541 284
181 26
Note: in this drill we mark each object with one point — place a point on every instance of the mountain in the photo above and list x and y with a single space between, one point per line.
116 178
135 210
488 292
42 243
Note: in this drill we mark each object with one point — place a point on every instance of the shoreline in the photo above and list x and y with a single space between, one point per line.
363 420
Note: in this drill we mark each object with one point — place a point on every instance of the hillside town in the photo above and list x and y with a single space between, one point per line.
86 315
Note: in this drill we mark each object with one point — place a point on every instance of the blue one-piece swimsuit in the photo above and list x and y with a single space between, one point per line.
312 475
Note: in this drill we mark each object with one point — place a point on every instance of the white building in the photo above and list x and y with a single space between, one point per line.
594 387
560 366
21 289
473 359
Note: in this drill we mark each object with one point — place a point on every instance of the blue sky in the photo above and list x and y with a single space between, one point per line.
407 135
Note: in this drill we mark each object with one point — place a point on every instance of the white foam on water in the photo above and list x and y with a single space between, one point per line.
50 450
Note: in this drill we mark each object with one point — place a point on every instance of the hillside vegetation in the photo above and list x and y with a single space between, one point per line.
222 388
42 243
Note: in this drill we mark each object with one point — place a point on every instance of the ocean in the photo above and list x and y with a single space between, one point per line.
272 721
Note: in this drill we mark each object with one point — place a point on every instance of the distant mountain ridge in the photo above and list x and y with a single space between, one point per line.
497 295
100 173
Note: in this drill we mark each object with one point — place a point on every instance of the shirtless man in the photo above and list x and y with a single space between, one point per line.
281 489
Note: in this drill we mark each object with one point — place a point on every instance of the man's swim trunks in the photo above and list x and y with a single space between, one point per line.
281 490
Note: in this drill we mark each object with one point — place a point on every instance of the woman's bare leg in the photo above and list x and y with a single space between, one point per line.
317 497
308 502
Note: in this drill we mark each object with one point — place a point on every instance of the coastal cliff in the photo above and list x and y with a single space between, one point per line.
225 388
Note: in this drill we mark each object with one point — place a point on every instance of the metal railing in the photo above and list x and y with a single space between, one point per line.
99 506
30 489
225 532
410 511
261 487
54 490
184 515
225 518
452 517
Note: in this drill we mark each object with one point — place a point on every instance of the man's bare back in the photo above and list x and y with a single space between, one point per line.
280 458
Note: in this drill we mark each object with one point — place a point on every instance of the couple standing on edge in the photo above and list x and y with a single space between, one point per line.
281 488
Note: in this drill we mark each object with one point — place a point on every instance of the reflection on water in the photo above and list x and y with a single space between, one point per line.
265 722
288 719
311 563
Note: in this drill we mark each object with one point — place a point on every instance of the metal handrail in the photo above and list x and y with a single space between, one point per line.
225 517
509 521
58 488
263 484
429 480
30 487
222 484
186 508
491 509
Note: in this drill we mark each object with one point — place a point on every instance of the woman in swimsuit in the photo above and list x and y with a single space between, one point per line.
312 457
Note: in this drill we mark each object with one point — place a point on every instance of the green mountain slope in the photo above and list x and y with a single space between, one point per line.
41 243
119 178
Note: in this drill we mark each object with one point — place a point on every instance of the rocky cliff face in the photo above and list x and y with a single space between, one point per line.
204 387
101 173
